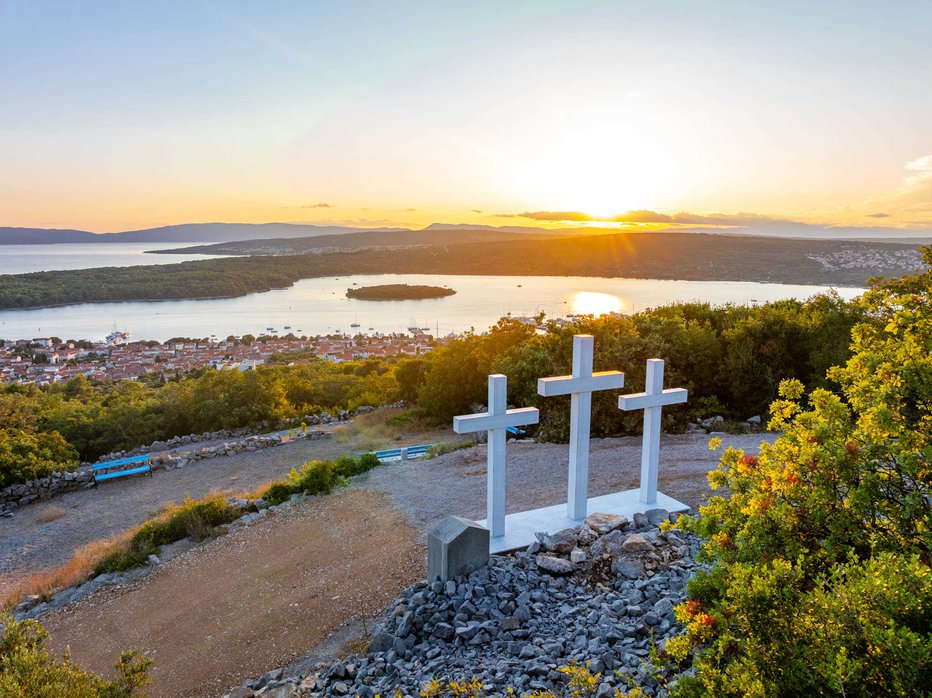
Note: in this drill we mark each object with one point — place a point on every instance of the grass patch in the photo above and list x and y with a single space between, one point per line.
318 477
50 513
80 567
195 519
382 429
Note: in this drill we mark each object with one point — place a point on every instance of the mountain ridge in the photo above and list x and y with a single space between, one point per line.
185 232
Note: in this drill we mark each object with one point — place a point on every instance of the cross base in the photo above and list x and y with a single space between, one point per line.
521 527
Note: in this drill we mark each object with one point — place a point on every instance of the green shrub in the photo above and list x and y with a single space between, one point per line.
315 477
347 466
27 456
369 461
193 519
277 493
318 477
28 670
862 630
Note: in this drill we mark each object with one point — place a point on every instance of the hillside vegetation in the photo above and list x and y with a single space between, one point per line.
731 359
686 256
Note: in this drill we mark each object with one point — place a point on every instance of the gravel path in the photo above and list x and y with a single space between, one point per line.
29 542
536 474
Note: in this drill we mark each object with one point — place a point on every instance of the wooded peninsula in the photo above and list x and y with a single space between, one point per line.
686 256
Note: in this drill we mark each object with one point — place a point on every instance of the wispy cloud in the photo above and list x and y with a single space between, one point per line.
878 215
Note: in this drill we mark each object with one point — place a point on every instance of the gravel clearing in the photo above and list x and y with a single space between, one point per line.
536 474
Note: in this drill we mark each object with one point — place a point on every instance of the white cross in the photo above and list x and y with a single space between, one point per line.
580 385
651 402
495 422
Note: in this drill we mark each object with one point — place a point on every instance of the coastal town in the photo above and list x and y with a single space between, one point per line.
47 360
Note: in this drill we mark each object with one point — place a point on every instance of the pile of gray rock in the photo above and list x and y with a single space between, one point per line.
601 594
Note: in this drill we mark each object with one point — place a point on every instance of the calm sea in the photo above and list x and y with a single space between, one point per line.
320 306
20 259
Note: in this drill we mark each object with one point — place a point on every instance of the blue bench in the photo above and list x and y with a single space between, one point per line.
99 468
396 453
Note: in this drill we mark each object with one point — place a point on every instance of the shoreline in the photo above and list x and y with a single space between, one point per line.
628 277
669 257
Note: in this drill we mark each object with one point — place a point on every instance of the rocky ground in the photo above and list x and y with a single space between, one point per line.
600 595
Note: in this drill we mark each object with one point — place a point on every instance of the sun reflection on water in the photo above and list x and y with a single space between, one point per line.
592 303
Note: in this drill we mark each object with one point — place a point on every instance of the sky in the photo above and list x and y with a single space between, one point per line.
128 114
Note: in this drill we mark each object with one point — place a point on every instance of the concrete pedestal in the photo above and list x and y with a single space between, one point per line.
521 527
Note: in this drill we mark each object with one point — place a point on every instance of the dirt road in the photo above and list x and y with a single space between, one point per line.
250 601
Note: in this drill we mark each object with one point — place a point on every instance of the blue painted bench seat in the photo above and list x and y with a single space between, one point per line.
99 468
395 453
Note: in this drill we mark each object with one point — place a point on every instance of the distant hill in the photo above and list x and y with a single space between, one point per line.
43 236
229 232
266 238
189 232
367 239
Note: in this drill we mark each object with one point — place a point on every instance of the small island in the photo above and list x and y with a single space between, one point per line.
398 292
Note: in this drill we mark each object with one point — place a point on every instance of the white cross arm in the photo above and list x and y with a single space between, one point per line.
640 401
567 385
486 422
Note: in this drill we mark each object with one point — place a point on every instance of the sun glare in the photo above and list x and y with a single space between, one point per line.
602 165
592 303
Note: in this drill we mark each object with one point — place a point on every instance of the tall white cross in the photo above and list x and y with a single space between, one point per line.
651 402
495 422
580 385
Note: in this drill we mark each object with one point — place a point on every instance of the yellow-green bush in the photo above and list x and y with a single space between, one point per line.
28 670
822 583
